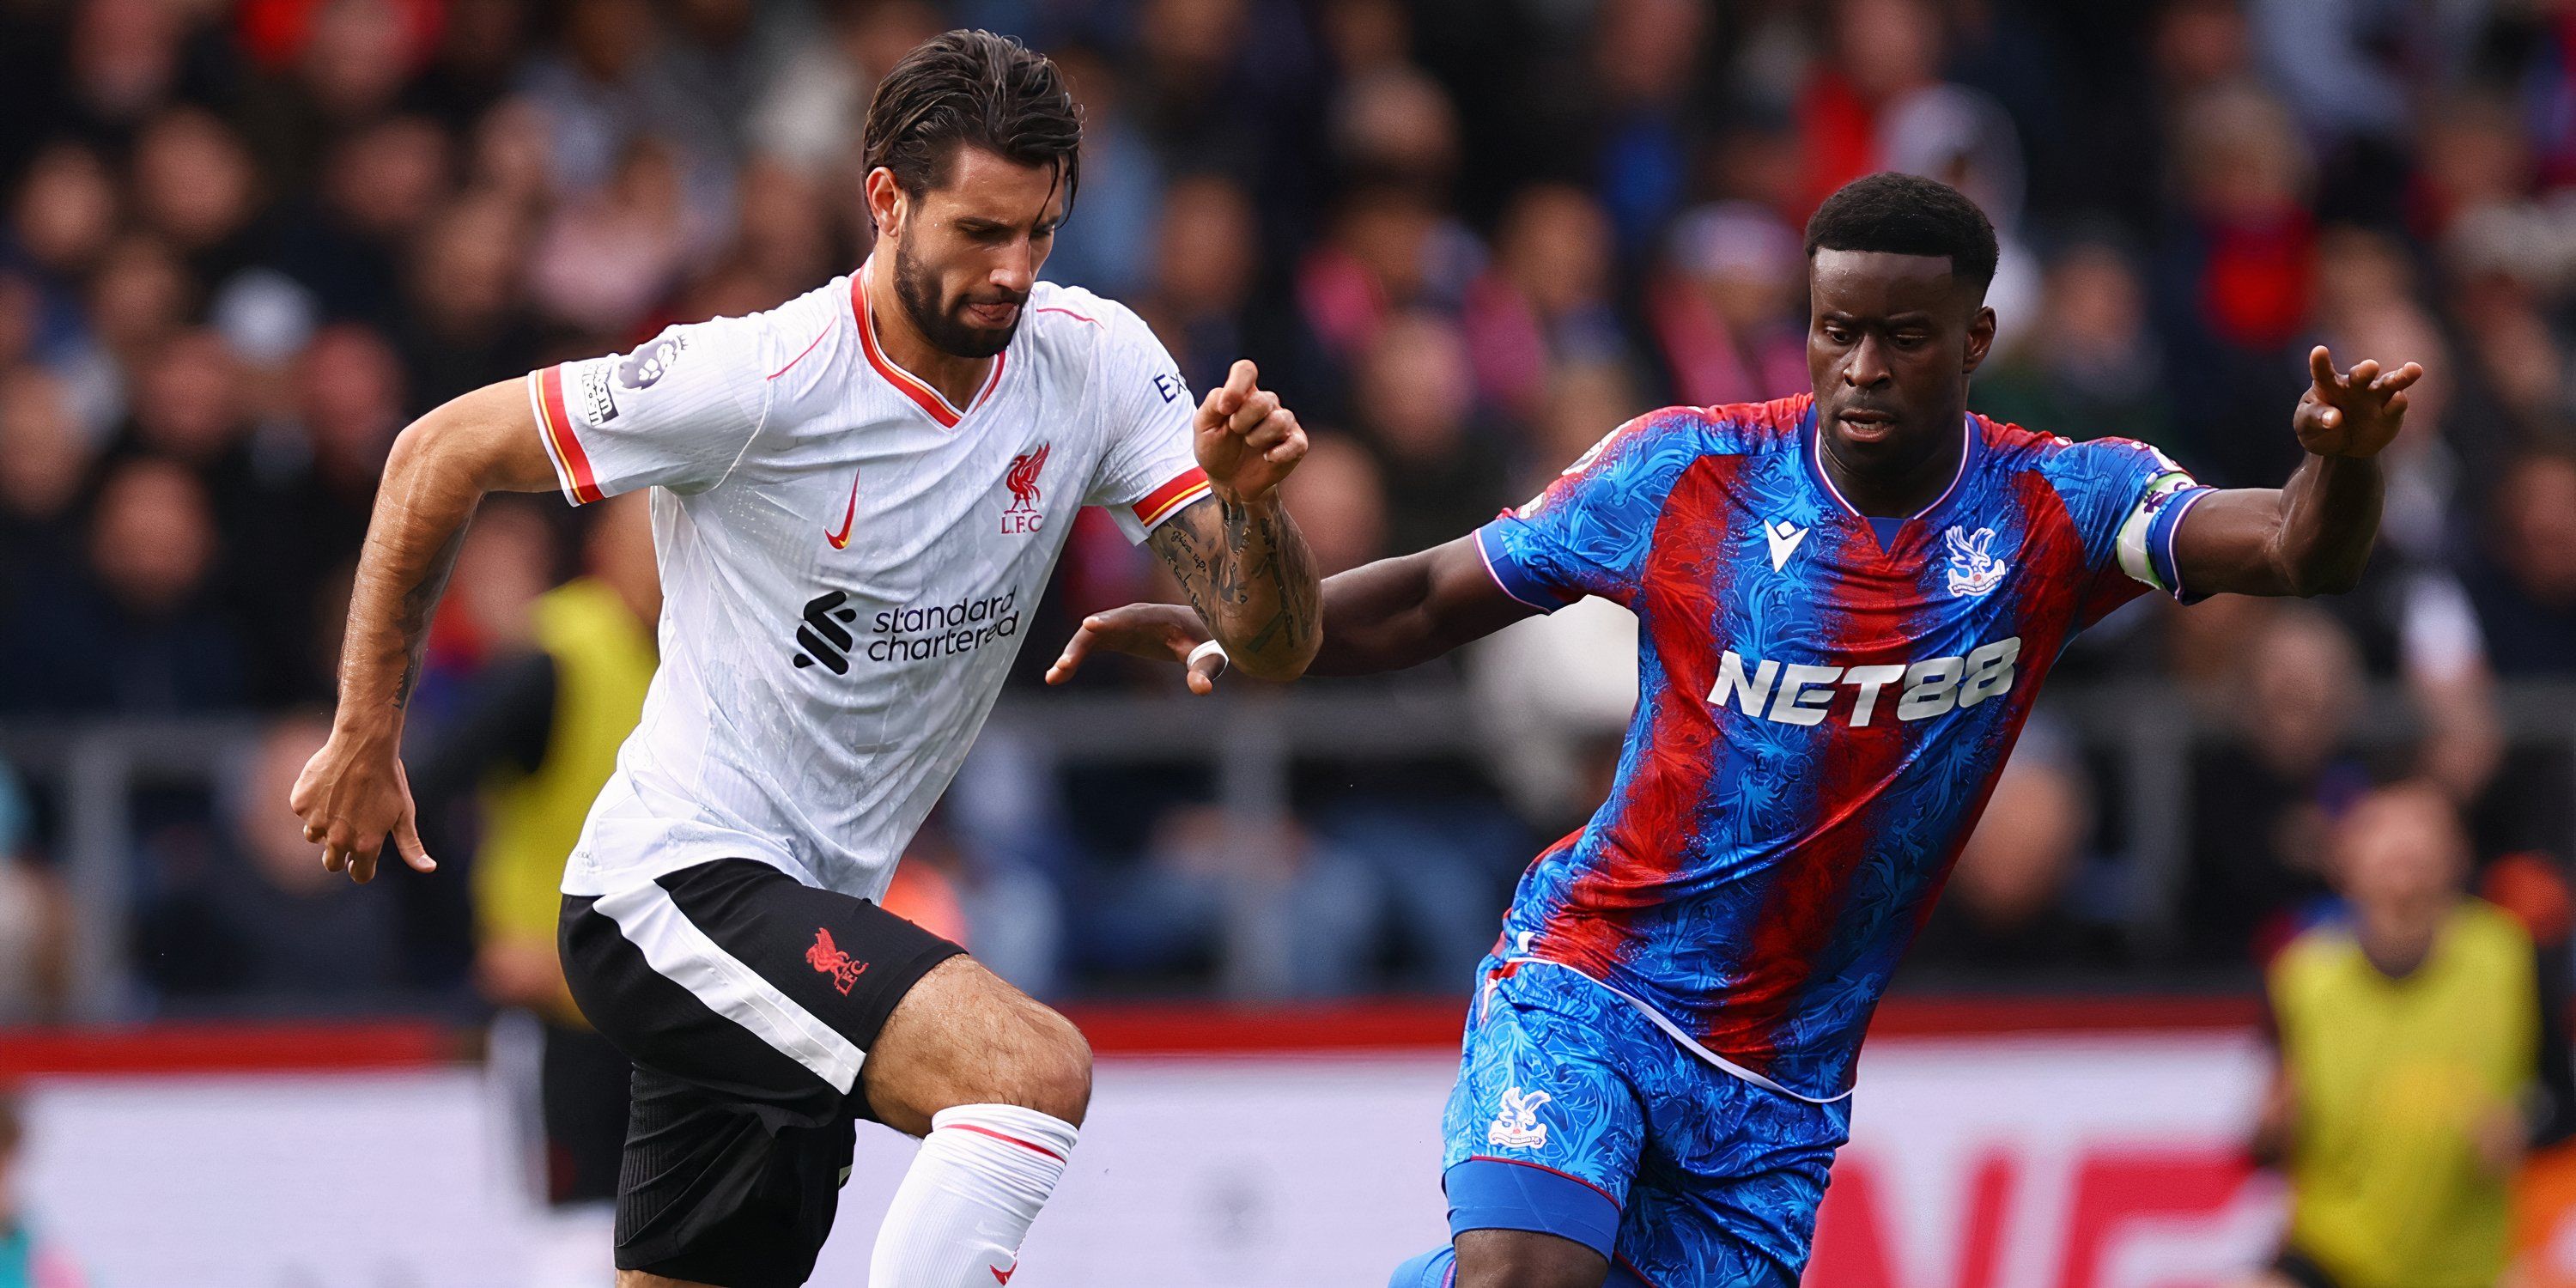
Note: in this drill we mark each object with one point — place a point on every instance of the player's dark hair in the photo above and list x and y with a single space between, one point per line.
1904 214
976 89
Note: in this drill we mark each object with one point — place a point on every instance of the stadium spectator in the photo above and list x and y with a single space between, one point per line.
44 464
468 323
534 739
194 186
2232 288
1205 264
243 921
1111 246
345 242
2419 1058
1274 911
1728 316
1545 300
609 89
1644 56
611 253
2090 362
1582 397
2262 806
2006 909
65 213
35 917
1446 470
1554 697
145 632
1389 249
2525 585
1339 500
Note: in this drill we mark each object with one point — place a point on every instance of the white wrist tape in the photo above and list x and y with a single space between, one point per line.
1204 650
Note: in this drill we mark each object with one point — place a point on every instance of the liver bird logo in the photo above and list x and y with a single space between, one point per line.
1022 478
827 958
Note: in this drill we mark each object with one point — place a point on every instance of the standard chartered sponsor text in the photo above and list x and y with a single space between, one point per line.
918 633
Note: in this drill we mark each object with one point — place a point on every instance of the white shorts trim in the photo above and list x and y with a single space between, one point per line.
1674 1031
679 951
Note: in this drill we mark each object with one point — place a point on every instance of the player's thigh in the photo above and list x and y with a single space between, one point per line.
736 978
962 1035
1733 1173
1542 1130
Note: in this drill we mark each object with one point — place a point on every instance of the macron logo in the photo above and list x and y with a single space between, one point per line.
1784 537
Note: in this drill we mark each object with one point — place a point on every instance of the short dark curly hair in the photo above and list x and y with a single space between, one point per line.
977 89
1905 214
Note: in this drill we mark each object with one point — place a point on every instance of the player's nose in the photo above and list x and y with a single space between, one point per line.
1017 269
1868 366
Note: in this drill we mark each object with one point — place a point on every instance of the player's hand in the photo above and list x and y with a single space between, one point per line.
2352 415
1245 440
353 795
1155 632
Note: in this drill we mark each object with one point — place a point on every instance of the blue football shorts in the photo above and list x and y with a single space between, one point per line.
1574 1115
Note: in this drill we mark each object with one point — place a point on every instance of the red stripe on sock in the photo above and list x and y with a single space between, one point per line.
987 1131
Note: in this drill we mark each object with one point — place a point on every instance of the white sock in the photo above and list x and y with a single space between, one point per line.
958 1218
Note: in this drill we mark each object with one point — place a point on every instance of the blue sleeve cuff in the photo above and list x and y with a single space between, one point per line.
1509 573
1507 1194
2160 542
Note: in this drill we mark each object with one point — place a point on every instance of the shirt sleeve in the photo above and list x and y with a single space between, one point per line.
2128 500
1588 532
1150 470
677 412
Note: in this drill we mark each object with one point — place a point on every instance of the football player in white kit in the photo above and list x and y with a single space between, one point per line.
858 496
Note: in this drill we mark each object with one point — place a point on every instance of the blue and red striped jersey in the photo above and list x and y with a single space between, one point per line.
1824 701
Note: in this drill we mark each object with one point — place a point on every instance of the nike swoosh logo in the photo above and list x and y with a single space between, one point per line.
841 540
1003 1276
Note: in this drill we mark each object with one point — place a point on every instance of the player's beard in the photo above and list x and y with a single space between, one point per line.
939 325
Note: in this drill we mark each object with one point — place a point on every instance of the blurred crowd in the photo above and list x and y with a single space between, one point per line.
245 241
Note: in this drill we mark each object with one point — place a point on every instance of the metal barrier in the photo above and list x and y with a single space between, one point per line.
1251 737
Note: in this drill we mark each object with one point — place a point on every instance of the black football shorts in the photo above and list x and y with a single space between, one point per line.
747 1002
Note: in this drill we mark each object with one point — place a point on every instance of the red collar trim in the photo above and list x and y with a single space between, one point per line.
931 402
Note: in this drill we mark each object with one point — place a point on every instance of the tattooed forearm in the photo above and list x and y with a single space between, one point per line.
412 623
1246 570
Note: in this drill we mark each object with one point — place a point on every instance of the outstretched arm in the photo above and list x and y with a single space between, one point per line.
2313 535
1383 616
1237 554
353 794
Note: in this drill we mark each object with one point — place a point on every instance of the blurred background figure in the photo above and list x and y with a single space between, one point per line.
530 742
35 916
2265 802
2008 906
242 920
26 1256
2420 1056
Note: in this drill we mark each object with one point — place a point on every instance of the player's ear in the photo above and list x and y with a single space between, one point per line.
1981 337
884 198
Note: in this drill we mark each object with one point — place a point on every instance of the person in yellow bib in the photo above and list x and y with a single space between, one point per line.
532 743
2411 1075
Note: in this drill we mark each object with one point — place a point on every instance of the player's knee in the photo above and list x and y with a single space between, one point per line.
1051 1067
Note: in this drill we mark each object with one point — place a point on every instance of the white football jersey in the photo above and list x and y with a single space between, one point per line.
849 563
